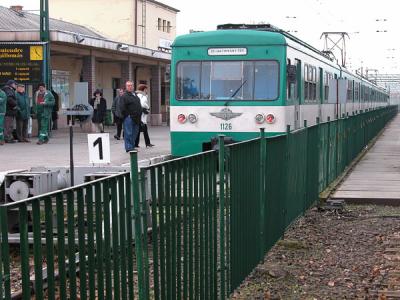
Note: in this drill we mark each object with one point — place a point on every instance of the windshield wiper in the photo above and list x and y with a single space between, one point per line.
237 91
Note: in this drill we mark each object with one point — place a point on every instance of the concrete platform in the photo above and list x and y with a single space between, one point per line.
376 178
56 152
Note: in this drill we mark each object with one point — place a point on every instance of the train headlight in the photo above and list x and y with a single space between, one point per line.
192 118
270 119
182 118
259 119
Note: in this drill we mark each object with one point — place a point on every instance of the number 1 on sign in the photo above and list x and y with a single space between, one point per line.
99 142
99 148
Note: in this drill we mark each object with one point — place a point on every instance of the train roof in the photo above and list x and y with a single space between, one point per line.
235 37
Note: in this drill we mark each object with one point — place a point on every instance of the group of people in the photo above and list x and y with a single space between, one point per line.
130 109
15 109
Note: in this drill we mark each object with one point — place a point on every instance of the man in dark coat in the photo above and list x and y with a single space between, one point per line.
23 115
131 110
56 107
99 105
116 110
11 110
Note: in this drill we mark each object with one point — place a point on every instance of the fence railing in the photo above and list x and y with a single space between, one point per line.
188 228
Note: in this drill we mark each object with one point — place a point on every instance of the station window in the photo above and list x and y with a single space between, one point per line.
168 26
227 80
159 24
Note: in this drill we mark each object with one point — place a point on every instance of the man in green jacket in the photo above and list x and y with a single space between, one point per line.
44 102
3 101
23 114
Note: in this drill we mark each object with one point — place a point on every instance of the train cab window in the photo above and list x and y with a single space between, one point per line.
188 82
227 80
266 80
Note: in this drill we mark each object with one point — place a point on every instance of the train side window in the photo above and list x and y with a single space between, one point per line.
291 81
306 84
310 84
349 90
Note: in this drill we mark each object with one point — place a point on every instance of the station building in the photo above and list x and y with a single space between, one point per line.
103 45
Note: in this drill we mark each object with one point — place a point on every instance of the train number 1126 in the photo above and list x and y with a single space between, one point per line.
225 126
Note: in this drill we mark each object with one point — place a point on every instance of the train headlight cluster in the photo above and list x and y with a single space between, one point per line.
269 119
191 117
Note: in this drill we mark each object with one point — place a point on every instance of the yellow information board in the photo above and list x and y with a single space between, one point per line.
22 62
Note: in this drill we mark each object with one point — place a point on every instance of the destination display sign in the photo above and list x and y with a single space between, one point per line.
227 51
21 62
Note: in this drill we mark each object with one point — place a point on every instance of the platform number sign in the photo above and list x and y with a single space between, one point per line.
99 148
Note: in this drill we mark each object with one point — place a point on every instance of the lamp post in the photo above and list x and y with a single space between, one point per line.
45 37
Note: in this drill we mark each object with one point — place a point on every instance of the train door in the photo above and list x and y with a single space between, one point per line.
297 100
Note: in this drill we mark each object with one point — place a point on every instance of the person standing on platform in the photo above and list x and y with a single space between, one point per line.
116 110
44 102
131 110
144 101
99 105
3 102
56 107
23 114
11 110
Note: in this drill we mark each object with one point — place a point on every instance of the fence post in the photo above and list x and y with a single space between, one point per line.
305 194
263 158
221 158
328 153
286 178
5 257
138 227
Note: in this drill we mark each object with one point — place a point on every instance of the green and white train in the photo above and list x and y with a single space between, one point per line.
240 78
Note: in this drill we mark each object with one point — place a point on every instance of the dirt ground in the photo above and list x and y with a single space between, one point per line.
349 253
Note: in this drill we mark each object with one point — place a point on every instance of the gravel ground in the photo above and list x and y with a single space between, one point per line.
350 253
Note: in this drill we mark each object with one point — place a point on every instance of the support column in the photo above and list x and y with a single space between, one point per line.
126 72
89 73
155 97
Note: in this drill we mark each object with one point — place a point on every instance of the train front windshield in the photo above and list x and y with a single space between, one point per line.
227 80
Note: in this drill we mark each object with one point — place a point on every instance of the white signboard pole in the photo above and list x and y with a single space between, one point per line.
99 148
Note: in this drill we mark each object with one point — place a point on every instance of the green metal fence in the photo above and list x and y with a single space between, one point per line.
189 228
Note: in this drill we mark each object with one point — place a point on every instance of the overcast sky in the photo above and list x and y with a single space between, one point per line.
307 19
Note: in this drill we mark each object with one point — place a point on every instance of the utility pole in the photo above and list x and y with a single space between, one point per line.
338 44
45 37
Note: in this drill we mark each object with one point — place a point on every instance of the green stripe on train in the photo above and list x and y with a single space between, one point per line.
187 143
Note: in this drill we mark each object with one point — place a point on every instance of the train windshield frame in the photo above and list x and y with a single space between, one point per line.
227 80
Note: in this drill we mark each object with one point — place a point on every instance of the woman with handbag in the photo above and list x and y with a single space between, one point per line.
144 101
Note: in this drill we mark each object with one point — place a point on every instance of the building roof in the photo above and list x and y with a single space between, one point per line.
164 5
11 20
